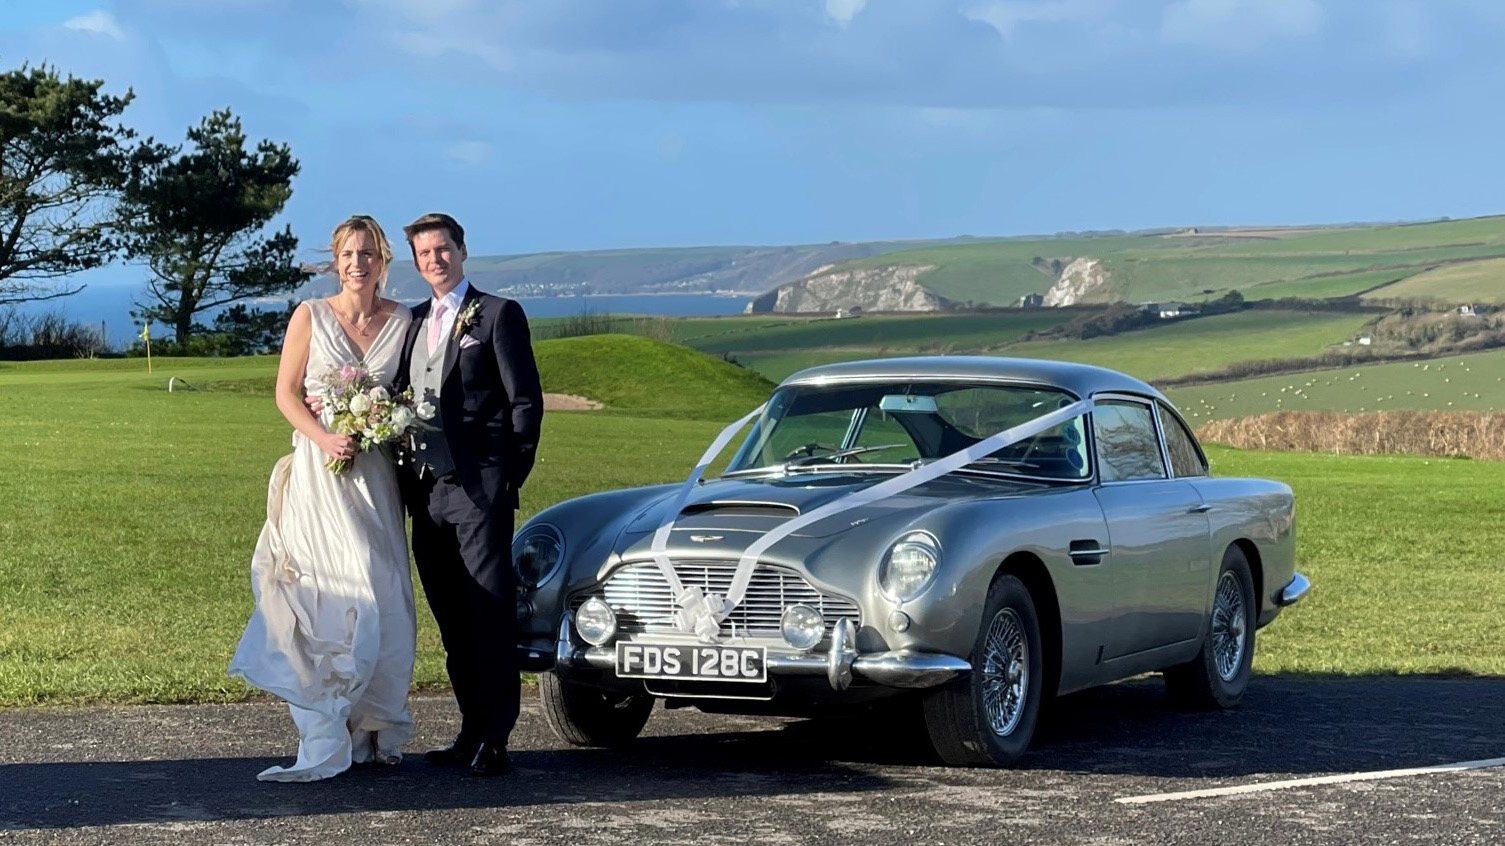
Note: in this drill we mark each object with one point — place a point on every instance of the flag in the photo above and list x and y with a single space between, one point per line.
146 331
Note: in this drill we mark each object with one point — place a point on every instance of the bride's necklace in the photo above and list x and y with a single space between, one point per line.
361 327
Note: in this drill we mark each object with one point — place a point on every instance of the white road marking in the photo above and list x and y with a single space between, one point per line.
1304 782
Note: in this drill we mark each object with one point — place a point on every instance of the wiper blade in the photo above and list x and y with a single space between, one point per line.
841 453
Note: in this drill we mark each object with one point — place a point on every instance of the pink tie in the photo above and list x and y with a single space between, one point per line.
436 327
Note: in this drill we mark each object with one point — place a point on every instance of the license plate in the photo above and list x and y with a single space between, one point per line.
693 663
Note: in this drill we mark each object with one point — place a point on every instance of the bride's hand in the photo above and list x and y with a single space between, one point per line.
339 446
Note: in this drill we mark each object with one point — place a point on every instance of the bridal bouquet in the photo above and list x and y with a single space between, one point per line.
355 404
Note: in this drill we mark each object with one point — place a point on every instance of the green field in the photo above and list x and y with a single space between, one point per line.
1325 287
1151 268
1456 383
885 333
1466 282
132 512
1176 348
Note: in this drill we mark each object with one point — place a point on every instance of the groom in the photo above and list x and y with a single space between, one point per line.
469 354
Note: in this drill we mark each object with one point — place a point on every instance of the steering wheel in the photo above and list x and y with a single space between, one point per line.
808 450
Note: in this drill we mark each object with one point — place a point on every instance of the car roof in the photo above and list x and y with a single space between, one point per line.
1082 380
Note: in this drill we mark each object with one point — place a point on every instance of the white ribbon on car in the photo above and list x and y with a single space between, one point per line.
701 613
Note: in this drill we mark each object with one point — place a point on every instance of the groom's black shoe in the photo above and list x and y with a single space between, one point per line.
458 754
490 760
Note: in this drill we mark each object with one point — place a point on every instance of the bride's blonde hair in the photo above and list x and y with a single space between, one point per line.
367 224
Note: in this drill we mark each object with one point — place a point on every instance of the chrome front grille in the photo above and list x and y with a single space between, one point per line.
640 595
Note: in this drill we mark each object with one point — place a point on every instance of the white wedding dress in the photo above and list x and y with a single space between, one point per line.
333 628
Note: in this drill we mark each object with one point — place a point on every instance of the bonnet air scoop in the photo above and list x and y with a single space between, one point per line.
739 509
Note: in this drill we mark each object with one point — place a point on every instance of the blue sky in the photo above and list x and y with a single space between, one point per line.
581 124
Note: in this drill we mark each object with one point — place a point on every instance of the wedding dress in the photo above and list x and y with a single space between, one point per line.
333 627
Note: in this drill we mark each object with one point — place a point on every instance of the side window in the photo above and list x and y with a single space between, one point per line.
1127 447
1186 458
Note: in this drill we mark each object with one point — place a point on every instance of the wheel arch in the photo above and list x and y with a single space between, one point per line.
1256 572
1029 569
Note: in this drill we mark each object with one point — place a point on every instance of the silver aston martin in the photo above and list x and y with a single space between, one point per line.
977 533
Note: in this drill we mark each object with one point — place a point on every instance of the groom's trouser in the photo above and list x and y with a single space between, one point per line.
464 557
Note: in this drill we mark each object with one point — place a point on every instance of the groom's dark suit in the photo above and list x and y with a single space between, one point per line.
490 407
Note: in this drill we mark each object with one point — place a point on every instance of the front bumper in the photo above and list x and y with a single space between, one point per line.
840 664
1294 590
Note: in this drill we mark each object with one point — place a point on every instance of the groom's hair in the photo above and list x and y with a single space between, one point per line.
435 220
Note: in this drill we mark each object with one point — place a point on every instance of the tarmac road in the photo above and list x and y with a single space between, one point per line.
186 775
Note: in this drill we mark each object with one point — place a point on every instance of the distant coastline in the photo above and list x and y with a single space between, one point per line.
110 306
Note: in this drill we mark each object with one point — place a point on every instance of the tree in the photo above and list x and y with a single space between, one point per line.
63 162
197 219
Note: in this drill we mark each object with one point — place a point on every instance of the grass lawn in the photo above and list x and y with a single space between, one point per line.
131 514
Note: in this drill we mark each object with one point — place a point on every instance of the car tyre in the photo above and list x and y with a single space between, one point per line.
988 718
588 716
1219 675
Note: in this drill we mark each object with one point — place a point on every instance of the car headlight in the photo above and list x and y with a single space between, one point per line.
596 622
909 566
536 554
802 626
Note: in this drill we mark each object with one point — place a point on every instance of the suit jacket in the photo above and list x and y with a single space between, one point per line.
490 399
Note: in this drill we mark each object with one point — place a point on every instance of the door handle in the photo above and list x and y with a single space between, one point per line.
1199 509
1087 552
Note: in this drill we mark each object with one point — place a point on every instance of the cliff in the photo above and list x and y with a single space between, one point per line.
1084 280
891 288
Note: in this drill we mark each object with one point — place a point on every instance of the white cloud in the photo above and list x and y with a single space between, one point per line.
1241 25
469 153
842 11
98 21
1008 15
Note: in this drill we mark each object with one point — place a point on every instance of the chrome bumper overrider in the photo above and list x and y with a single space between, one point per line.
1294 590
839 664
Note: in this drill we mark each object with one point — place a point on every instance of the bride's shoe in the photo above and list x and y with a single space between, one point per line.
384 757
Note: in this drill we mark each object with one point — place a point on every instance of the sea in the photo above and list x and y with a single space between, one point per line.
109 306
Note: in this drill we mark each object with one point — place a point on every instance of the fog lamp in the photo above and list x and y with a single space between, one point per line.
803 626
596 622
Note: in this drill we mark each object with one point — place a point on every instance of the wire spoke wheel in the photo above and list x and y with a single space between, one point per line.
1005 671
1229 627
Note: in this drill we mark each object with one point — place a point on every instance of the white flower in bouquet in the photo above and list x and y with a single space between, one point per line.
359 406
425 410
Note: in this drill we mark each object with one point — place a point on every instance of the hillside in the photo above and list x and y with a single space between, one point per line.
644 377
1199 264
747 270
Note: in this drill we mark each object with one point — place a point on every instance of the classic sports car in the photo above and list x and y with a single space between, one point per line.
980 533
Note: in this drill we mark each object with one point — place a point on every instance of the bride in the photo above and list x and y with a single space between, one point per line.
333 627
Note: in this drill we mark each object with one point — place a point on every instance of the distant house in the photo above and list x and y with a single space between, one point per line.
1169 310
854 311
1032 301
1365 341
1467 311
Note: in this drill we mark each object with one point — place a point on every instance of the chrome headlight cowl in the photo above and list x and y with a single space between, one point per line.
536 554
909 566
